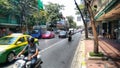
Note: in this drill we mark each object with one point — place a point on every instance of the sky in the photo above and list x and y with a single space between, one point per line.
69 9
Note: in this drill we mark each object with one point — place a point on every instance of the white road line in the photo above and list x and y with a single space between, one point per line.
51 46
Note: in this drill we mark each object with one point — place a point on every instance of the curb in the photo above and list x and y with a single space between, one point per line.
94 58
79 57
82 48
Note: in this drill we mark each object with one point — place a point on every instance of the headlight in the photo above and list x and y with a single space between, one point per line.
16 65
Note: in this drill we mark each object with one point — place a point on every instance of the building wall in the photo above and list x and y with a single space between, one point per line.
110 26
118 31
8 23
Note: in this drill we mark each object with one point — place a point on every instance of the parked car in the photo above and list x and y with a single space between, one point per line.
57 31
36 33
62 34
11 45
48 34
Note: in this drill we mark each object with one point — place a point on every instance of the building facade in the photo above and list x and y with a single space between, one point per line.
8 23
107 17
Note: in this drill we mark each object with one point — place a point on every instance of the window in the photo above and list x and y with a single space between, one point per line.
22 39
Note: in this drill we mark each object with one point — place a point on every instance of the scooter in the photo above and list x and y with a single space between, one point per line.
69 38
23 63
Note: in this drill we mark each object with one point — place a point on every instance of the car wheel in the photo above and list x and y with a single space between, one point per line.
10 57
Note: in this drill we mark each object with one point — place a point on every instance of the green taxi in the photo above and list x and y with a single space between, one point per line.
11 45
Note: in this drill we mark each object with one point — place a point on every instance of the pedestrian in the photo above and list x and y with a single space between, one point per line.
115 33
103 32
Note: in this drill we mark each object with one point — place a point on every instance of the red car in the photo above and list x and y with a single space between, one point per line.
48 34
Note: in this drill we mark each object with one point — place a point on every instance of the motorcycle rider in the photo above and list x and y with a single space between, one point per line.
32 51
70 35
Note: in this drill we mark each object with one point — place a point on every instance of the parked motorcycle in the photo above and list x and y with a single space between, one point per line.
22 62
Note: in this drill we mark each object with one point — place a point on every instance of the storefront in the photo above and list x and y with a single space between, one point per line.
6 29
108 18
118 38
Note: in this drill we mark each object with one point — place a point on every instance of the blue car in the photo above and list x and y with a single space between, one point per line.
36 33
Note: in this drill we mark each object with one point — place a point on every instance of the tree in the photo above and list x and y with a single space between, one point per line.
82 7
25 10
72 24
40 17
85 24
5 7
87 4
53 12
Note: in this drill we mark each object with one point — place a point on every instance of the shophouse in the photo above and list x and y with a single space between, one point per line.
8 23
107 17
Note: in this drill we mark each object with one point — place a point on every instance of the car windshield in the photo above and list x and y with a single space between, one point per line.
35 31
7 40
47 32
62 32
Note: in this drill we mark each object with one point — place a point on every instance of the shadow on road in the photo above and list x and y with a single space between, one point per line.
6 65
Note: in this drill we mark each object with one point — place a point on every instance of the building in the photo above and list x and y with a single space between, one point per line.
63 24
8 22
15 19
107 16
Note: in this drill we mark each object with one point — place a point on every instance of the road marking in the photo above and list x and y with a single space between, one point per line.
51 46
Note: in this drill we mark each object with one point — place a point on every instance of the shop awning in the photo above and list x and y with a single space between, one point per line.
106 9
6 24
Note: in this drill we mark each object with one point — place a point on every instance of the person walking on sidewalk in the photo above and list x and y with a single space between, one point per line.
103 32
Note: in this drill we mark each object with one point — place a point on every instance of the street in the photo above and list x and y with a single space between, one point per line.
56 52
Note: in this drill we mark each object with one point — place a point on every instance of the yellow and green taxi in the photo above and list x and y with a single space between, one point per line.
11 45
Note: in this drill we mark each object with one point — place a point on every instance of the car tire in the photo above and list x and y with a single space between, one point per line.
10 57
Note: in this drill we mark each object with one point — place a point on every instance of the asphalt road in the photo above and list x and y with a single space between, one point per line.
56 53
60 54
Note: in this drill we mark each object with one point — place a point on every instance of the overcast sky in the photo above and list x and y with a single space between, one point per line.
69 6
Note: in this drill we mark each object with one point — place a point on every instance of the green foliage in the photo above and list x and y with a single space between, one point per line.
70 19
29 9
53 11
82 7
19 8
40 16
71 22
5 7
100 54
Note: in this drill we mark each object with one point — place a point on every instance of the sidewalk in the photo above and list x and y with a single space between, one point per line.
110 48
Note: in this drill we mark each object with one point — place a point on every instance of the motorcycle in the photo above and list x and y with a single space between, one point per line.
22 62
69 38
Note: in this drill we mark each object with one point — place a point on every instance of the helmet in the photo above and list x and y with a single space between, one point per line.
31 39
